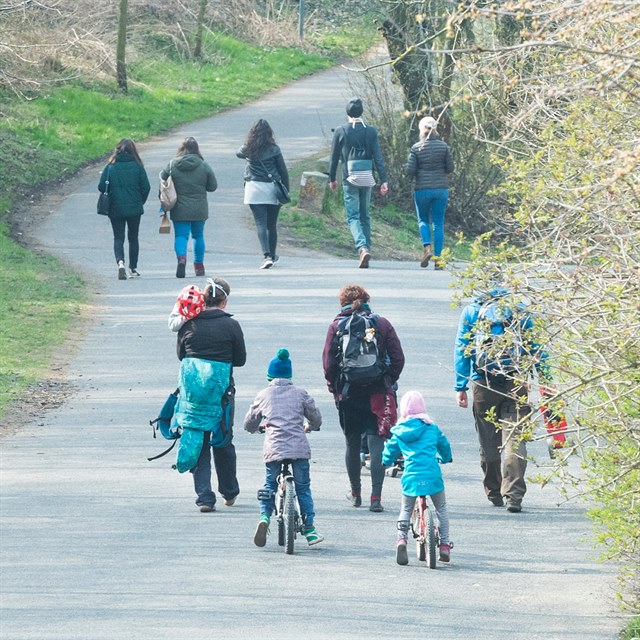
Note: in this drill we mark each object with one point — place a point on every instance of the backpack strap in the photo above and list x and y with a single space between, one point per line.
164 453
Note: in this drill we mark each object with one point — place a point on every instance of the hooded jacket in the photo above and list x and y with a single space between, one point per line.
423 447
128 186
192 179
284 408
464 352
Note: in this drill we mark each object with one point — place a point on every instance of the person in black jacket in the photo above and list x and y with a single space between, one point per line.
209 346
264 164
357 139
429 163
128 186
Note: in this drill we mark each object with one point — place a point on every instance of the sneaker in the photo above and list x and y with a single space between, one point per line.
198 268
134 273
262 531
376 505
365 256
267 263
426 256
355 499
122 272
229 502
445 552
181 269
514 507
207 508
496 501
312 536
275 260
402 557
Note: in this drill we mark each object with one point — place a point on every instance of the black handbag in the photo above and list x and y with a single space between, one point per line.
282 193
104 199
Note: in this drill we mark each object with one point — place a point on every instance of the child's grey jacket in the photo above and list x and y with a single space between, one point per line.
283 408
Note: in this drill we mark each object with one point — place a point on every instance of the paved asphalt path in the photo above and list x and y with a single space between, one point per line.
99 544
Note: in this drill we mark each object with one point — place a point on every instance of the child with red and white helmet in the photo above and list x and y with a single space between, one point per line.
189 305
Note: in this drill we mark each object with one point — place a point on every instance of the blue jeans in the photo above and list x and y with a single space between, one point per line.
431 205
300 469
181 241
356 204
224 460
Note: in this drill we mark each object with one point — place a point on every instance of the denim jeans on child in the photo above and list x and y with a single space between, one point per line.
181 241
431 205
300 470
356 204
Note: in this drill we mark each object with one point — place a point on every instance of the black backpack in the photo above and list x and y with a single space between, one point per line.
358 353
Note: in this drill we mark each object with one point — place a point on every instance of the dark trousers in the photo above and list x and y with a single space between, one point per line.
497 409
224 460
266 217
132 226
356 418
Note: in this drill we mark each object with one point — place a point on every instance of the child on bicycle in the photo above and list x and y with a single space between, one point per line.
423 447
287 413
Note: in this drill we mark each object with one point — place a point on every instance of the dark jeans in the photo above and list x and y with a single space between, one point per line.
132 225
508 400
302 481
357 418
266 217
224 460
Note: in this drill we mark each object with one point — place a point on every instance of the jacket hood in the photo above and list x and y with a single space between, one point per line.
410 430
124 156
190 162
212 312
496 292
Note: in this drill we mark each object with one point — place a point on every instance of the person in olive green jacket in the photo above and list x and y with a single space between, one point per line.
192 179
128 186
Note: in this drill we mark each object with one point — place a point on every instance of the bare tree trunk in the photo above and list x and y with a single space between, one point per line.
197 52
121 68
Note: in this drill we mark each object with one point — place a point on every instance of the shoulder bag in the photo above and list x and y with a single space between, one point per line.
168 195
282 193
104 199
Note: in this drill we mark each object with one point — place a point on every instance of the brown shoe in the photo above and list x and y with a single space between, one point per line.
365 256
426 256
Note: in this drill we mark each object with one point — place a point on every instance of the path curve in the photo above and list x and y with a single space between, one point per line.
99 544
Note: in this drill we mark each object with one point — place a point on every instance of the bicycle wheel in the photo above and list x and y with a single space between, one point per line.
289 517
417 526
431 538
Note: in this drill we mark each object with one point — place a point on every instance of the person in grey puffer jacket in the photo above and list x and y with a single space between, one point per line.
264 164
286 413
429 164
192 179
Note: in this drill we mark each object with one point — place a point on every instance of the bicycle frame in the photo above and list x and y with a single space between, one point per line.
424 526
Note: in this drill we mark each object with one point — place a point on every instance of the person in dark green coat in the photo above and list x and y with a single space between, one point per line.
192 178
128 186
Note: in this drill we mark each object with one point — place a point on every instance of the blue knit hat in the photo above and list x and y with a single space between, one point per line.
280 366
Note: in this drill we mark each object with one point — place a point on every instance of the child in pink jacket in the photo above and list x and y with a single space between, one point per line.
282 408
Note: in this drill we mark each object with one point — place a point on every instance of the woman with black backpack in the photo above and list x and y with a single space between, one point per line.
362 361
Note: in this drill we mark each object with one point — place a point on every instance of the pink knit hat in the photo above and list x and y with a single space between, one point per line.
412 406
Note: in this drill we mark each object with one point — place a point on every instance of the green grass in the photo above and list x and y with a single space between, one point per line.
632 630
40 299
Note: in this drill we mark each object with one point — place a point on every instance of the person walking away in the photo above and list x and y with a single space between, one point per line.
129 188
363 387
210 344
264 163
496 350
424 447
429 164
352 144
288 413
192 178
